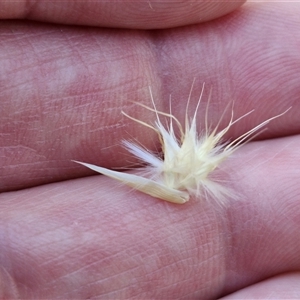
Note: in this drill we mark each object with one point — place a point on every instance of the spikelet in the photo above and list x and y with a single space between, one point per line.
188 162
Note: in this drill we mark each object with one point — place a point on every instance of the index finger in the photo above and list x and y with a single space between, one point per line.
134 14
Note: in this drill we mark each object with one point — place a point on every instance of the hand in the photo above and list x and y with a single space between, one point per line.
63 87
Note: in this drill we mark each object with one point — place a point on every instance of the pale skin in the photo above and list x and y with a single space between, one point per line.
62 90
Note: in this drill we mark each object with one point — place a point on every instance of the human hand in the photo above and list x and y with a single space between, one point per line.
62 90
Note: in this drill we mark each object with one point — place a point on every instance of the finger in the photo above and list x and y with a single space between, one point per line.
94 238
89 238
124 14
263 225
64 88
286 286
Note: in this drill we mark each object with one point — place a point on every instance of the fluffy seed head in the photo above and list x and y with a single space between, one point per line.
188 161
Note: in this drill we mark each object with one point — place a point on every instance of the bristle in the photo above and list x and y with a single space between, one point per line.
188 162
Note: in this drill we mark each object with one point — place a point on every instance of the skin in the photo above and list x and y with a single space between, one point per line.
63 84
